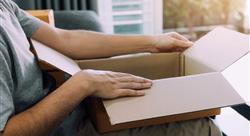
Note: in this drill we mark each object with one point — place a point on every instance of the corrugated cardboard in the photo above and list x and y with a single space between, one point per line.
175 98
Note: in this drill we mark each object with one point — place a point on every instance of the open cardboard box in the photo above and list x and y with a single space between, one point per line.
193 84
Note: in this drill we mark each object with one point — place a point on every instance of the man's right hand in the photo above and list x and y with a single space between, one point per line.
42 118
110 85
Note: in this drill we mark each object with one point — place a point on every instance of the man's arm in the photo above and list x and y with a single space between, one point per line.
87 44
41 119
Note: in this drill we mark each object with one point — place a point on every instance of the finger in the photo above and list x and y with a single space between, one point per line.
116 74
131 93
179 49
133 85
133 79
180 37
182 44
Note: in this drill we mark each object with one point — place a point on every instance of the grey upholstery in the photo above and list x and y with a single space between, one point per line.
89 20
54 4
26 4
69 14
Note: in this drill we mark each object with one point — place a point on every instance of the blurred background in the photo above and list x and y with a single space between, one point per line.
196 17
193 18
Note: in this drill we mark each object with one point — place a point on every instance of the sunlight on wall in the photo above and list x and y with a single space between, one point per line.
248 7
247 23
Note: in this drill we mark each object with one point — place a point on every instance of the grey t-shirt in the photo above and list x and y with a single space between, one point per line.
21 84
20 76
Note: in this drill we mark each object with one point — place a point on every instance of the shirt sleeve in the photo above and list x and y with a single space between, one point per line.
6 88
29 23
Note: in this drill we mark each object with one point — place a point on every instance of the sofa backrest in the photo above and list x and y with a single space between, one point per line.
53 4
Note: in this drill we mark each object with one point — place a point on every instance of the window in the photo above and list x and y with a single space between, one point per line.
131 16
127 16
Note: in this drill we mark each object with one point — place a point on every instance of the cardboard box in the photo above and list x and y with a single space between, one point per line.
193 84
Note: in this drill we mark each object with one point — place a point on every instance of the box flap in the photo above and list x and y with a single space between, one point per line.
55 58
174 96
216 51
238 75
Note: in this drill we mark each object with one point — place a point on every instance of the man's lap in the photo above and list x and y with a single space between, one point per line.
199 127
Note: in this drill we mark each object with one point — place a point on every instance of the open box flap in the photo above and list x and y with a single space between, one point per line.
181 95
216 51
238 75
55 58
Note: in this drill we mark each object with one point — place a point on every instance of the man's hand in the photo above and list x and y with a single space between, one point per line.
42 118
170 42
110 85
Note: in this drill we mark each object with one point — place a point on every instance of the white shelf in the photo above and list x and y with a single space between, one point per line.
128 22
127 3
121 13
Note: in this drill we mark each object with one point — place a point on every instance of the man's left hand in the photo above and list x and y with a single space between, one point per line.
170 42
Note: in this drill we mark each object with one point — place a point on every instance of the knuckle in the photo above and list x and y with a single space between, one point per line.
136 85
125 93
136 93
114 87
121 74
172 41
110 74
174 33
142 85
130 75
113 84
112 81
131 92
131 79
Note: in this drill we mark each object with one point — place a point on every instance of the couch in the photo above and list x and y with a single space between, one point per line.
68 14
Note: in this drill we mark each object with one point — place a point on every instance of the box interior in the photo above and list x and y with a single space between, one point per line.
152 66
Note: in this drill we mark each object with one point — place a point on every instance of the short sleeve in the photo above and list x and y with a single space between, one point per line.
29 23
6 88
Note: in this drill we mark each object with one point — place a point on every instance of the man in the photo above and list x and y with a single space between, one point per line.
28 108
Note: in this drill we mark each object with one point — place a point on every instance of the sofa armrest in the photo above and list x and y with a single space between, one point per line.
71 20
44 15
